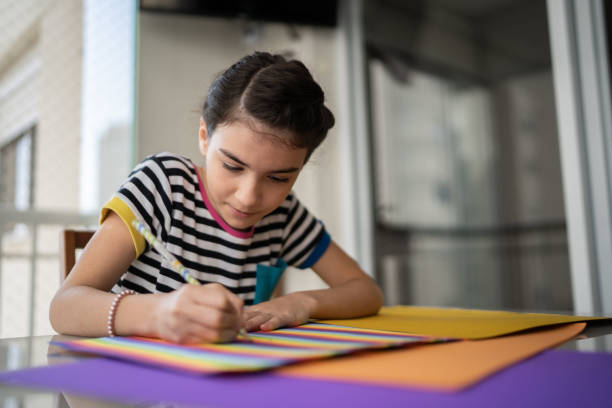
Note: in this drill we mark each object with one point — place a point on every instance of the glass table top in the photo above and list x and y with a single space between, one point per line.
18 353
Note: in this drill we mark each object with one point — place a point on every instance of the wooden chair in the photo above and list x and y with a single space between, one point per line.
70 241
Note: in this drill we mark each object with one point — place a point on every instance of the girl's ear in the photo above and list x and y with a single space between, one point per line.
203 137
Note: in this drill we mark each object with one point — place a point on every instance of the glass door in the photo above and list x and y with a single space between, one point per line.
468 189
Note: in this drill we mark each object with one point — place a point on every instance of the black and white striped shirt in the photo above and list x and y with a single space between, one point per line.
166 194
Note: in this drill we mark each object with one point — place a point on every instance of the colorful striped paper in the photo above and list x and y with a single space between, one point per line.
266 350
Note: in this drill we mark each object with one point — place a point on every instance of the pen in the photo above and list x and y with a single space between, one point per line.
176 265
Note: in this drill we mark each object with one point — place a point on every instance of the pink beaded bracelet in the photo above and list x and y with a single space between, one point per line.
113 309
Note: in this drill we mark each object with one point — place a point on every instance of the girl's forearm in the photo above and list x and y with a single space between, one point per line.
133 314
354 298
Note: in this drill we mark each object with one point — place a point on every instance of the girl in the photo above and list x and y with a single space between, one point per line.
233 223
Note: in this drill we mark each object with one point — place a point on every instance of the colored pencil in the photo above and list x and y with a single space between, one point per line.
176 265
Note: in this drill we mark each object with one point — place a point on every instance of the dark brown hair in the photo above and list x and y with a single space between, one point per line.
279 93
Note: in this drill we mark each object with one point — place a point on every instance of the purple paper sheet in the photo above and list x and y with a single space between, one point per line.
552 378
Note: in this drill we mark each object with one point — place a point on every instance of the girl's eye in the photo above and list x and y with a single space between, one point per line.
279 179
231 168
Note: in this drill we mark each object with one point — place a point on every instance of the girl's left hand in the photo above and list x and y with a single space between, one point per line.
289 310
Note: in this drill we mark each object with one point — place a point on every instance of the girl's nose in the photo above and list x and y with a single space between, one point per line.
248 193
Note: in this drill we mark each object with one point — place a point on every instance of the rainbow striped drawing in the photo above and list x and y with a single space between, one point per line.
265 350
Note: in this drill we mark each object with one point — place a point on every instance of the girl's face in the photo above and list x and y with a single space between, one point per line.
248 173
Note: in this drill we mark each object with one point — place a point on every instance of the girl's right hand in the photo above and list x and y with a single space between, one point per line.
192 314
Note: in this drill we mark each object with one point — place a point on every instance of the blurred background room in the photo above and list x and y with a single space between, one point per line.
470 165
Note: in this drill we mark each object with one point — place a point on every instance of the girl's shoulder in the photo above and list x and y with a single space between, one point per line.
168 163
166 158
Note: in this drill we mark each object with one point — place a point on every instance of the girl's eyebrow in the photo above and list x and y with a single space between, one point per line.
237 160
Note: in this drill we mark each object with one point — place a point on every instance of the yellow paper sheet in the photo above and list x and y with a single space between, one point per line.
441 366
456 323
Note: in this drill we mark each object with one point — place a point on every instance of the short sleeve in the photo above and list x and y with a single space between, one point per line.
144 196
305 238
125 213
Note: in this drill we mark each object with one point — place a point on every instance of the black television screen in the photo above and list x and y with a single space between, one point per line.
310 12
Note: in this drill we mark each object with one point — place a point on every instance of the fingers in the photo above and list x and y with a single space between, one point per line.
263 321
254 321
273 323
217 319
193 332
216 296
280 312
200 313
223 296
223 299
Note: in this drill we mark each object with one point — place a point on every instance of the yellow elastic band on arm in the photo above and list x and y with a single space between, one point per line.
125 213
